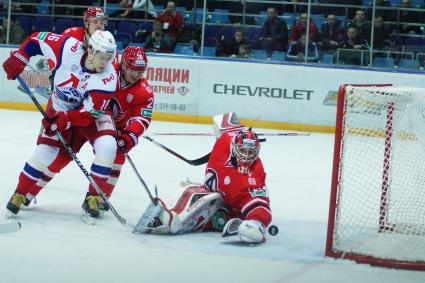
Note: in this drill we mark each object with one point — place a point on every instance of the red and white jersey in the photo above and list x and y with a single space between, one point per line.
132 106
75 32
222 173
75 87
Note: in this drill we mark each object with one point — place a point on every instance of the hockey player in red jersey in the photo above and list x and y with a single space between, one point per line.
234 192
94 19
132 105
84 83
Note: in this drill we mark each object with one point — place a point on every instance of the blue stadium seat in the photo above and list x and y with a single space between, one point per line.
220 16
209 51
136 44
62 24
226 32
327 58
408 64
185 49
111 8
182 11
43 24
111 27
259 54
26 24
414 41
123 37
120 45
253 34
42 7
126 27
383 62
261 18
148 26
212 31
158 8
79 23
278 56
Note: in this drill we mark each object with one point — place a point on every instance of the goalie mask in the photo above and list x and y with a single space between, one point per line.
245 148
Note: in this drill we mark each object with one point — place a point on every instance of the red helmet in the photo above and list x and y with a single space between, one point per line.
134 57
245 148
93 12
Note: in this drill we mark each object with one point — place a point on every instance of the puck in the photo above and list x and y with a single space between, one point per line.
273 230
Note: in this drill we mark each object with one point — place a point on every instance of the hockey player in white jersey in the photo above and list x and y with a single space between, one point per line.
84 83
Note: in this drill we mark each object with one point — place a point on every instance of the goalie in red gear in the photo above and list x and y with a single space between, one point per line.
234 191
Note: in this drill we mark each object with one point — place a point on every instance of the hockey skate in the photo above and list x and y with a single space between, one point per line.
93 207
15 203
246 231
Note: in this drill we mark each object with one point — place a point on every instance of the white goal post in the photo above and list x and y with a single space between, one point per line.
377 204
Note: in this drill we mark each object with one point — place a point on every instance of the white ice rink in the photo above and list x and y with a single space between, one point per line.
54 245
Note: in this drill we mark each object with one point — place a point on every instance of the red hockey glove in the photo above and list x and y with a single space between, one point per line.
60 122
127 140
15 64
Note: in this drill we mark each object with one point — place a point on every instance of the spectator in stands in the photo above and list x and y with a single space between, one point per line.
407 17
389 15
352 41
274 35
331 33
140 5
171 21
245 52
16 32
159 41
301 26
296 50
359 22
230 46
381 35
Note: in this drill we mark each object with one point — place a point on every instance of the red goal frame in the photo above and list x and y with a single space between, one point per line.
333 206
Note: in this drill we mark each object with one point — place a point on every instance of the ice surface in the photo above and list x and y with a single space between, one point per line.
54 245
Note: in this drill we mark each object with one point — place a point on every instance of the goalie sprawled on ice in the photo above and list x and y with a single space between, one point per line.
234 197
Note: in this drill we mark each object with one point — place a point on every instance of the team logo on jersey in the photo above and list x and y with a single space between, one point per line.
227 180
146 112
252 181
68 94
129 98
211 180
258 192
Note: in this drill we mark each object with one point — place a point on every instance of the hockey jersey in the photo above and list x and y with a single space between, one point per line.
222 172
74 86
132 106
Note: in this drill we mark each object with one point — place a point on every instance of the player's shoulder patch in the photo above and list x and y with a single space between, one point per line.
146 112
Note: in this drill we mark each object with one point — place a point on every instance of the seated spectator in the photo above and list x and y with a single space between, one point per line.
171 21
389 15
301 27
16 32
159 41
352 41
230 46
296 50
136 8
331 33
274 35
407 17
381 34
359 22
245 52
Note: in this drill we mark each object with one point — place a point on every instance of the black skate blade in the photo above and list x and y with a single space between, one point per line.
86 218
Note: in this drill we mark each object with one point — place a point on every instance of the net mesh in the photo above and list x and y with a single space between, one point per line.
381 190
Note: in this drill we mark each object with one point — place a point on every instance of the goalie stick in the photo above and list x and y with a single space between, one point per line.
74 156
211 134
194 162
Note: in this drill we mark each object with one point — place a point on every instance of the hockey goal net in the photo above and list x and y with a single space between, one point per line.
377 206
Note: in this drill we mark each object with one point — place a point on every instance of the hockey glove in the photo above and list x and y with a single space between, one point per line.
127 140
59 122
15 64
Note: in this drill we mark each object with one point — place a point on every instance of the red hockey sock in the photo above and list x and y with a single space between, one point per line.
260 213
103 185
24 184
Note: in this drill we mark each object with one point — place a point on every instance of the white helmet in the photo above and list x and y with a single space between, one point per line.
103 41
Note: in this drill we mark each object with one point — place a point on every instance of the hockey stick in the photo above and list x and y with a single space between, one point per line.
211 134
194 162
73 155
